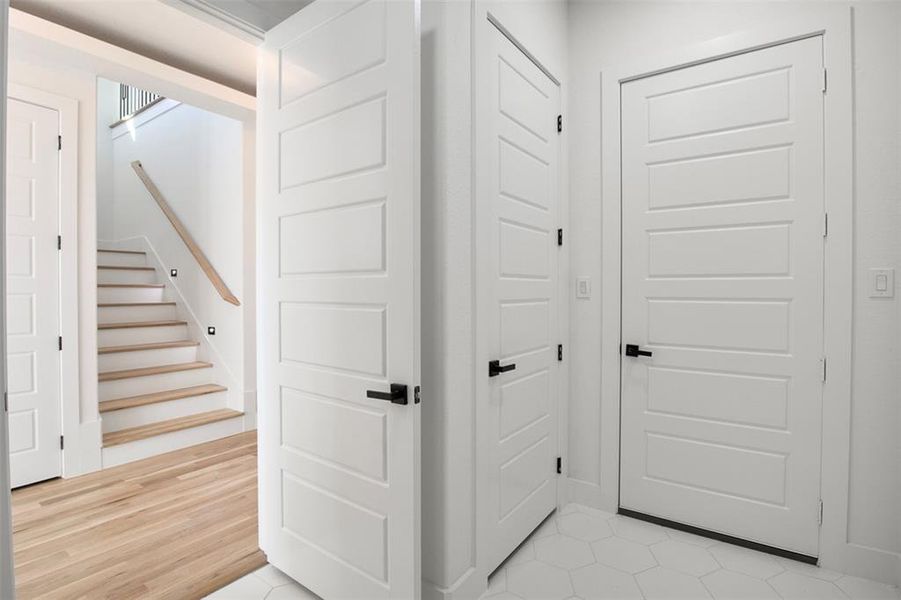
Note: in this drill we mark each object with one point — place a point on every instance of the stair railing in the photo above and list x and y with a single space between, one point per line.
185 236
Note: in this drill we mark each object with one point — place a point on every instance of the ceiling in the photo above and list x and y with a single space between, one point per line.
215 39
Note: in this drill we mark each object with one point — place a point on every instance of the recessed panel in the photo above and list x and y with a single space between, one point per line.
740 472
21 373
738 177
352 534
523 177
23 431
343 47
20 196
347 337
523 402
727 251
522 102
20 256
318 242
725 397
523 475
20 314
744 101
343 434
729 325
525 326
347 142
524 251
20 139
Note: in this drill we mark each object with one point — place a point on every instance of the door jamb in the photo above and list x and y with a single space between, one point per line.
67 196
834 23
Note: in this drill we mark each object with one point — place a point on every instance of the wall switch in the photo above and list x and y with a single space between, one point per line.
583 287
881 283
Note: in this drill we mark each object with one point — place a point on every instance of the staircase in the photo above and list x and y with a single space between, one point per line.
155 394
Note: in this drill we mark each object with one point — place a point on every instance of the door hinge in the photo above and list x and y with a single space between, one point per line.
825 81
825 224
60 341
62 443
559 352
416 397
559 237
820 513
59 242
59 142
823 360
559 123
559 465
5 402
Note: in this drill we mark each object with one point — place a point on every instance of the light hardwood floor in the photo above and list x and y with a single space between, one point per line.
175 526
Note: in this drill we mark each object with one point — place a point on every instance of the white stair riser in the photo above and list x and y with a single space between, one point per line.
117 259
131 314
135 386
141 335
118 276
105 295
162 411
119 361
123 453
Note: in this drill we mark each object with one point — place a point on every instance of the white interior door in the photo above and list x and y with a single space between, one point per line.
723 225
32 292
517 161
339 302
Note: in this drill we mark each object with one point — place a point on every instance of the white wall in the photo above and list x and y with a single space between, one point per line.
107 113
603 35
196 159
449 558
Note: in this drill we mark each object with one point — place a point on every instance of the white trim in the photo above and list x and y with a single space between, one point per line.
834 23
76 457
142 118
206 12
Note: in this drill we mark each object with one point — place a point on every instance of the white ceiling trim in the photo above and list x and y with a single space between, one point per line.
217 17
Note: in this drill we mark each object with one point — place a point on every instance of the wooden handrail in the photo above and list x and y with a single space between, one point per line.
195 250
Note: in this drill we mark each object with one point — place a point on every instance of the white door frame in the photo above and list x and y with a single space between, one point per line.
834 24
67 196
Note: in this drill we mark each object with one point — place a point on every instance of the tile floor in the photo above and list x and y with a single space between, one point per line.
582 553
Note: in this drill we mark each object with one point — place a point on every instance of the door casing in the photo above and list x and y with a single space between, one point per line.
834 23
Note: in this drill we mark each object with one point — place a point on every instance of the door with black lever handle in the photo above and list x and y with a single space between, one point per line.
495 368
634 351
397 395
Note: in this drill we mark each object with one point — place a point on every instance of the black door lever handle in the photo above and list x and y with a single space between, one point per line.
634 351
397 395
495 368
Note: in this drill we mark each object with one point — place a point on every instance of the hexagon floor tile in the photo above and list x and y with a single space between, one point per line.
685 558
623 554
728 585
598 582
563 551
583 527
664 584
539 580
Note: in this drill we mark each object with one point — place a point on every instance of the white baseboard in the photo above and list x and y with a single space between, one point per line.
467 587
82 451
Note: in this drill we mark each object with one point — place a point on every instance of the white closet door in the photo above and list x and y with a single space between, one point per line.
518 220
723 282
339 277
32 293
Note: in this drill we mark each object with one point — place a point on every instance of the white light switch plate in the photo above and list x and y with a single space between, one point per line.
881 283
583 287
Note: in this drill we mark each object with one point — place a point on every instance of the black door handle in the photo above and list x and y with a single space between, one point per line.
397 395
634 351
495 368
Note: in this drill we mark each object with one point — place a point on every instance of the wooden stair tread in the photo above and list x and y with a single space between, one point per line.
145 371
121 251
131 285
144 399
124 268
132 434
133 324
150 346
112 304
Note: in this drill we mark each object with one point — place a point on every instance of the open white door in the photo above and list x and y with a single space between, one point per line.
338 168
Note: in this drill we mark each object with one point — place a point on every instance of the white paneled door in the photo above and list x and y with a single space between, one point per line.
338 168
723 236
519 218
32 293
